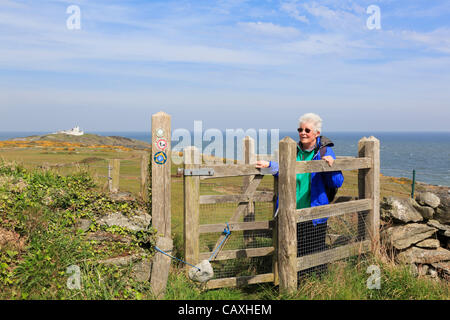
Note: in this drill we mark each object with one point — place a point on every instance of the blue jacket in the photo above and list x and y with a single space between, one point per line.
332 179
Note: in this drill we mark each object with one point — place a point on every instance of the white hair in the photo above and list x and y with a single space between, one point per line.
313 119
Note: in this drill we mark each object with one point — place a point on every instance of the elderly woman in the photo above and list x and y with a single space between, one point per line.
311 187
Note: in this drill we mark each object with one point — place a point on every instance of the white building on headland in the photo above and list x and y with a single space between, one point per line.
74 131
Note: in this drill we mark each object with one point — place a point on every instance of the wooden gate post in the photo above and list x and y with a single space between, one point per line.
287 226
276 277
248 146
191 187
161 209
369 187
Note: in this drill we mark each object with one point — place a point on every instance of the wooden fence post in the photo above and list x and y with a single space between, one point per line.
114 164
369 187
276 278
144 176
161 174
287 226
248 146
191 187
161 209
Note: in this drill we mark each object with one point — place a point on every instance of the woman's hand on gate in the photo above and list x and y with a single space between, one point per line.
262 164
329 160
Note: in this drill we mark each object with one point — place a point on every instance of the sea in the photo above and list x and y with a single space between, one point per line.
427 153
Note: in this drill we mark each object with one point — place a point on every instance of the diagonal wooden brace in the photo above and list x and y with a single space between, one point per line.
242 207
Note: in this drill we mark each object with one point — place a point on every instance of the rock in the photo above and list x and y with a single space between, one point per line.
122 196
83 224
443 228
426 212
419 255
122 261
400 209
108 237
428 198
403 236
204 274
432 273
443 214
443 268
422 269
142 270
428 244
138 222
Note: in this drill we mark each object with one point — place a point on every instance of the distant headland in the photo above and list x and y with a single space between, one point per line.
76 135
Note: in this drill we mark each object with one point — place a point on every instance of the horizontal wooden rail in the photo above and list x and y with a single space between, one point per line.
259 196
235 170
332 210
231 170
236 226
331 255
339 164
239 281
239 253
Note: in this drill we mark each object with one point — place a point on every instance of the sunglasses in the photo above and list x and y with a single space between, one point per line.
306 130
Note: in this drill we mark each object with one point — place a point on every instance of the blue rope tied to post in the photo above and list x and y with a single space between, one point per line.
227 234
158 249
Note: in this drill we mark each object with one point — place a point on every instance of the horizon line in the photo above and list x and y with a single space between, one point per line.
281 130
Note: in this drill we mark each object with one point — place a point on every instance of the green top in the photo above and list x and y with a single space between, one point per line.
304 181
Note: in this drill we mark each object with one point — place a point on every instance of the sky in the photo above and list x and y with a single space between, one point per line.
107 65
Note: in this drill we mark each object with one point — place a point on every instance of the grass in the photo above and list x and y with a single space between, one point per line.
43 210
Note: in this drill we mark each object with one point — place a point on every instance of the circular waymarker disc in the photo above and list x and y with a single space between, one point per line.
161 144
159 132
160 157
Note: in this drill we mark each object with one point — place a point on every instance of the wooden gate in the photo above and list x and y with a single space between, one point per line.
241 220
367 206
283 248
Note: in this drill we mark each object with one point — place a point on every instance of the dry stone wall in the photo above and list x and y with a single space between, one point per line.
139 220
418 231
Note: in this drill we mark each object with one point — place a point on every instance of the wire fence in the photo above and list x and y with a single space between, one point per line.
100 170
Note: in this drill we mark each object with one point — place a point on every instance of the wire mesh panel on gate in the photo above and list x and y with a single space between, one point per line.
320 243
219 213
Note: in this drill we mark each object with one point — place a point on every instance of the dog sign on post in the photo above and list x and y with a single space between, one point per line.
161 215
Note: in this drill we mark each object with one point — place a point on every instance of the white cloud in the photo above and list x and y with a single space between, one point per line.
269 29
336 18
54 47
436 40
292 9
